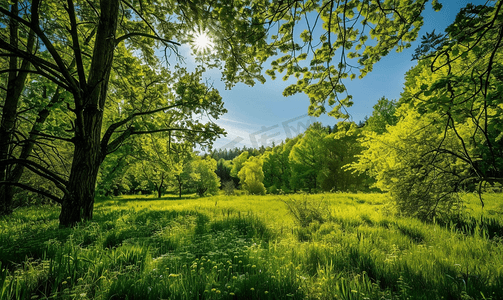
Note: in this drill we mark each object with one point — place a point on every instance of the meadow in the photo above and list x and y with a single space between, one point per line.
324 246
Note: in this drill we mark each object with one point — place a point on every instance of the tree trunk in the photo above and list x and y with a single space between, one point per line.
78 204
159 189
15 85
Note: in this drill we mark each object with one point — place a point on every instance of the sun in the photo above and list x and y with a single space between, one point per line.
201 42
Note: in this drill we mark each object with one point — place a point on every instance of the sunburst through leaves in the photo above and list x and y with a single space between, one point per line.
200 42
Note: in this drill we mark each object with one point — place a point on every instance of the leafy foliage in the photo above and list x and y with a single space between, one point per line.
447 138
404 162
251 176
203 177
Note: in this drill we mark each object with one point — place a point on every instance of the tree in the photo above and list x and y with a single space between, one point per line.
10 137
307 158
181 156
88 77
448 138
340 149
383 115
272 169
404 162
223 171
460 80
203 177
277 169
251 176
238 162
152 164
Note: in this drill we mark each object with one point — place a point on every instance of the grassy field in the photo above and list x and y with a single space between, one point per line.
327 246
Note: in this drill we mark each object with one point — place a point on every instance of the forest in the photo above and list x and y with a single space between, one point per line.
110 187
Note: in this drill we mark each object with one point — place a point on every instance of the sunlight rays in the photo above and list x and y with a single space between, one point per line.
200 42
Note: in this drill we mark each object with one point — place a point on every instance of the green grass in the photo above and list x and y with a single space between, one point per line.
326 246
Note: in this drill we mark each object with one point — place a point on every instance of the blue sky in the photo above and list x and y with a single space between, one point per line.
260 114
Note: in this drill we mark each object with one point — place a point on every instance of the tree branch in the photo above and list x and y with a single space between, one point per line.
76 46
131 34
39 169
111 129
53 137
38 63
34 25
31 189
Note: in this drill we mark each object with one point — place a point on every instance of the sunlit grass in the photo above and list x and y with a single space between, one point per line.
349 246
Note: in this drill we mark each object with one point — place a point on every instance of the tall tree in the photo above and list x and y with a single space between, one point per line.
109 24
307 158
461 81
17 73
341 148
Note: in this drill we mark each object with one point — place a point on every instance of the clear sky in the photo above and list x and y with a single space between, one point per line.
260 114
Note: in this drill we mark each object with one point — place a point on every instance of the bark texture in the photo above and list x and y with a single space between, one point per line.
90 99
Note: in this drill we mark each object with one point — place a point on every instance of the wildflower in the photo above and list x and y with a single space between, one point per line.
252 289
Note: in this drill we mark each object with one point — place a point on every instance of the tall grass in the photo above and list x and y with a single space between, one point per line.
330 246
